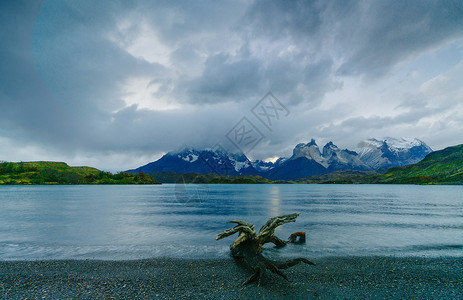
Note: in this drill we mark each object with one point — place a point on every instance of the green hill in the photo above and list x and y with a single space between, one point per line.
439 167
43 172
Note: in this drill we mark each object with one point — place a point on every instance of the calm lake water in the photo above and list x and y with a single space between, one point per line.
132 222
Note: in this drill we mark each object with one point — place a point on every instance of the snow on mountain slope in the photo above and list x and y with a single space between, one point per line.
391 152
307 159
190 160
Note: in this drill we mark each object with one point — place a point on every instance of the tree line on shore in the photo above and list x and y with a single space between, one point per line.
60 173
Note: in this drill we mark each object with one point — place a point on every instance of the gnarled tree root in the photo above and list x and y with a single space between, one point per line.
247 249
274 267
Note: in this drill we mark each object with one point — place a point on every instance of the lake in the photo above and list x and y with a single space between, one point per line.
176 220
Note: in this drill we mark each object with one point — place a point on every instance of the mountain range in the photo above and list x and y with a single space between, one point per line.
307 160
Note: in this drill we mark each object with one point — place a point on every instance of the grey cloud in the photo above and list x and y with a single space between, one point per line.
164 131
63 66
63 88
369 37
354 129
410 117
318 78
226 80
278 19
191 21
386 33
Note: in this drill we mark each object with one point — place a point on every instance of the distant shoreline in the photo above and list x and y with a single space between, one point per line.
59 173
168 278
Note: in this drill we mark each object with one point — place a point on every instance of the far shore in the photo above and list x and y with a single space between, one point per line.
168 278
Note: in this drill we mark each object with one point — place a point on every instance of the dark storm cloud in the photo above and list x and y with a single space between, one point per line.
66 67
365 38
277 19
65 86
224 80
370 37
389 32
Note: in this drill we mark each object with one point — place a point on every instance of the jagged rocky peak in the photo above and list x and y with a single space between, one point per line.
306 160
390 152
309 150
329 155
312 151
329 149
309 144
312 143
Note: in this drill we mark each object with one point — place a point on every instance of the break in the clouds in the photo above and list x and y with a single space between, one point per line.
114 84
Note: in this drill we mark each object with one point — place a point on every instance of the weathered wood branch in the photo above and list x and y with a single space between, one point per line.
248 246
244 230
267 232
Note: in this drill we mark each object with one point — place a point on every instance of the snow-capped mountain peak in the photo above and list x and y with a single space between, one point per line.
390 152
190 160
398 144
306 160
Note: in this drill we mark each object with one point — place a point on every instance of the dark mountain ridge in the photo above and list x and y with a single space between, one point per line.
306 160
206 161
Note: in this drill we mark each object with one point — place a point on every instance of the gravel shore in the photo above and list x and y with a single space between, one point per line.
166 278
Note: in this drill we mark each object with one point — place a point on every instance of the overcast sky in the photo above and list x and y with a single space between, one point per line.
115 85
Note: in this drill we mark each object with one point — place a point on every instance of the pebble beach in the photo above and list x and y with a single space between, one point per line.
167 278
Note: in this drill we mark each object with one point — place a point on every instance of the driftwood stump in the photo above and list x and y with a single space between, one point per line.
249 245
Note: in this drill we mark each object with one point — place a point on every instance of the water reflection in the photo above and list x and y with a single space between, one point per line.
274 200
124 222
